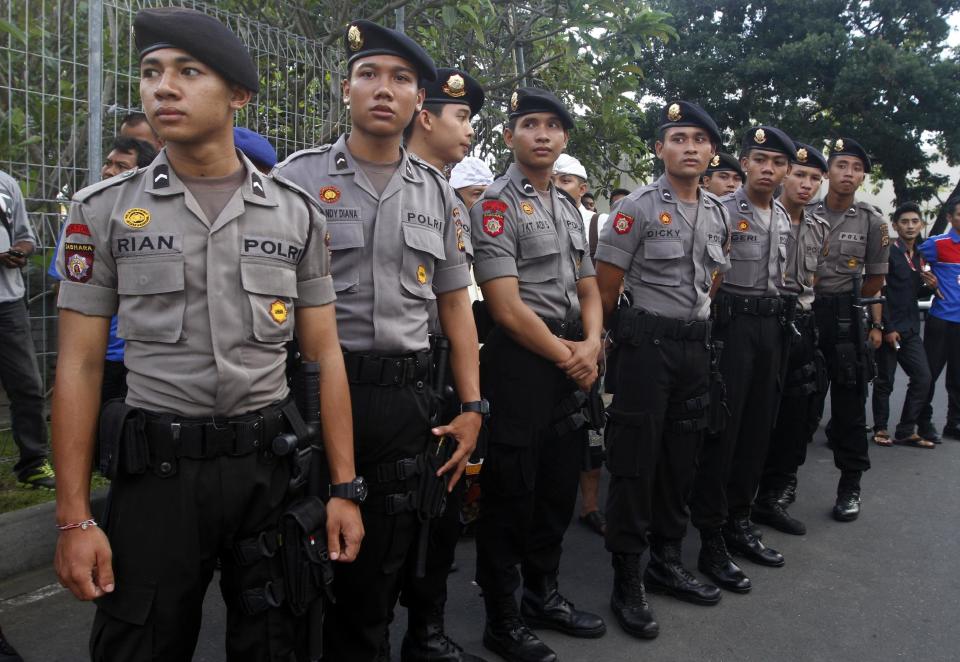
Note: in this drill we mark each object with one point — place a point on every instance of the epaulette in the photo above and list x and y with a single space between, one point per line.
278 179
566 196
638 193
870 209
816 217
84 194
713 196
728 197
322 149
496 188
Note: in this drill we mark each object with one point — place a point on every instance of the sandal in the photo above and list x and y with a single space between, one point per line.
595 521
916 441
882 438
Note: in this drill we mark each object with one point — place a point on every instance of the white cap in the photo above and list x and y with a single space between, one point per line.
567 165
471 172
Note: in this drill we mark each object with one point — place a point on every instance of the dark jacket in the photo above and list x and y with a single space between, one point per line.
903 286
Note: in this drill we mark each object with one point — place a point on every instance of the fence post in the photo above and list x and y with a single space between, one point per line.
95 91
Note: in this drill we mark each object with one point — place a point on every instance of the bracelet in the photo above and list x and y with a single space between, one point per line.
84 525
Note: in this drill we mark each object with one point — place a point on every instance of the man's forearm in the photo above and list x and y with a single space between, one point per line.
456 319
336 417
591 309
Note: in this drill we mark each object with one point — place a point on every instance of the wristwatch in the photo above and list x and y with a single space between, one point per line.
355 490
876 325
481 407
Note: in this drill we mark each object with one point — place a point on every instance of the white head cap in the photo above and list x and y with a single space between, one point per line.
470 172
567 165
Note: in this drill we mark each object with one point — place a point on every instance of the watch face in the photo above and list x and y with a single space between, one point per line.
361 489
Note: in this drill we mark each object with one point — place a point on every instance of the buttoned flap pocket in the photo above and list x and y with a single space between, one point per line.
271 290
810 262
346 242
745 261
422 248
577 239
716 254
662 261
539 258
151 298
851 256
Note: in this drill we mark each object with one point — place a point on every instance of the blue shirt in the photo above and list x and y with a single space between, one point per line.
942 253
114 344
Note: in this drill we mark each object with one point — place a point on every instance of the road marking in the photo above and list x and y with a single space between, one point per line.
34 596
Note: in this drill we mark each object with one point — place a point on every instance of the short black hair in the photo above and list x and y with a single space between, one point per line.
950 206
904 207
144 150
432 108
618 191
590 195
133 118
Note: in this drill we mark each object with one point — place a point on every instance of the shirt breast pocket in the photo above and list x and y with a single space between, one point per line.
716 255
745 259
539 258
346 247
422 248
661 261
271 289
851 257
152 298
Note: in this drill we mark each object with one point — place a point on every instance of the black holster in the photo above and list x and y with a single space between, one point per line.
307 571
848 370
719 413
483 319
122 439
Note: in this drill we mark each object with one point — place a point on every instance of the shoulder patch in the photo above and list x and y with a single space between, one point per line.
87 192
493 216
322 149
622 223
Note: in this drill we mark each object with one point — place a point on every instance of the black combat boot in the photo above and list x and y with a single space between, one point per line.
544 607
847 507
665 574
715 563
629 601
507 636
770 508
426 641
790 490
739 539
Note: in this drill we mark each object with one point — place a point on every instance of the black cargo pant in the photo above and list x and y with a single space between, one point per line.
848 397
651 456
941 341
912 358
798 416
730 464
167 531
530 474
390 423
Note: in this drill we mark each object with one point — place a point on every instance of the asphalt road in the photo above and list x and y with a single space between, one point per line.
882 588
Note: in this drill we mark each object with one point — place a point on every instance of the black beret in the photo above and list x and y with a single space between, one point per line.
455 86
366 38
723 161
769 139
850 147
203 36
527 100
809 156
687 113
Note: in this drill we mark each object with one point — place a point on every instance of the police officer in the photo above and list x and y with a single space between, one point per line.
440 134
724 175
667 239
857 244
538 283
747 318
804 371
393 234
210 266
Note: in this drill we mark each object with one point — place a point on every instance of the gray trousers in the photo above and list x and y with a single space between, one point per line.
913 359
20 378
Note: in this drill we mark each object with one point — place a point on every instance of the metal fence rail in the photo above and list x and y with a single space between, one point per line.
68 75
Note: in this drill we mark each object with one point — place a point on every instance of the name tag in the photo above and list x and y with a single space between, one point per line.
853 236
342 213
531 227
147 244
278 249
739 236
419 218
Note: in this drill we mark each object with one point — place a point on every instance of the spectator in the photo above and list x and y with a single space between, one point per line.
256 148
941 338
588 201
470 178
135 125
127 154
18 362
901 328
570 176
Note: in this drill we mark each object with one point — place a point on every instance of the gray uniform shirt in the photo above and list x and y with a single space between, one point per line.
392 252
857 243
669 259
515 234
758 250
205 305
804 257
11 200
461 226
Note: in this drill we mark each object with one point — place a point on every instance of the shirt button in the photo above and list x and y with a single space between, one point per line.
165 468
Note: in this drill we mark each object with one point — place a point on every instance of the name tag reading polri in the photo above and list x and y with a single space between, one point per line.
273 248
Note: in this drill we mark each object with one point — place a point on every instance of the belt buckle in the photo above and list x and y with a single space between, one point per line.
219 440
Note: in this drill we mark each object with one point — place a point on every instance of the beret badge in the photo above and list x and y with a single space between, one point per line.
514 101
802 155
354 38
715 161
455 86
760 136
838 146
673 112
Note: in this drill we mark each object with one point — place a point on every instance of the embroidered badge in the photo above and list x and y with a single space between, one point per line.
278 311
422 274
622 223
136 217
330 194
527 208
884 235
460 245
665 218
78 261
493 216
77 228
743 226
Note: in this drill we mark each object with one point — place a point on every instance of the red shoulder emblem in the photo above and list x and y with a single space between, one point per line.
622 223
493 211
77 228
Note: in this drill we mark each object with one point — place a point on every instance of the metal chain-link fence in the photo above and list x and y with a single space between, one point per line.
68 76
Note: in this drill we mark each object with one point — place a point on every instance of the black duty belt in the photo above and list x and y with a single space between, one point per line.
634 324
174 437
836 302
748 305
566 329
387 370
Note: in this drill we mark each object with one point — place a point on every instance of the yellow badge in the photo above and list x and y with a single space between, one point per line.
330 194
455 86
760 136
838 146
514 101
527 208
884 235
422 275
743 226
136 217
460 245
354 38
801 155
673 112
713 274
715 161
665 218
278 311
852 263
